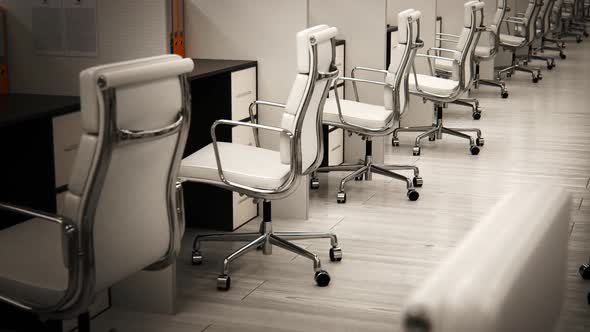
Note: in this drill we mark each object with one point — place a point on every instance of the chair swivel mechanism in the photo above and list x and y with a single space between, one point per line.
121 215
265 174
440 90
520 36
371 121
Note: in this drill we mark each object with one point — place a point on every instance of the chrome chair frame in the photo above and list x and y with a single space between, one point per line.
519 21
542 32
266 237
365 168
79 250
437 129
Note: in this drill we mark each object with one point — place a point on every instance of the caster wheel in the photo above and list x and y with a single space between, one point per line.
432 138
476 115
563 56
585 34
341 197
585 271
197 258
540 76
335 254
479 141
358 178
418 182
474 150
416 151
505 94
536 80
550 67
413 195
314 184
578 41
395 142
322 278
223 282
509 75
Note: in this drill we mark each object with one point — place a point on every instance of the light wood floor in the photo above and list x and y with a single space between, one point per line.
541 134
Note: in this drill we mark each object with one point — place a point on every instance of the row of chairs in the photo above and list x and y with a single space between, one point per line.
123 208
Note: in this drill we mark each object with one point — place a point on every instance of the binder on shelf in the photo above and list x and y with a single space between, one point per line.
177 31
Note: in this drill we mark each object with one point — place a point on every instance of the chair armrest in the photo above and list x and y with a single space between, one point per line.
353 75
71 252
295 161
359 80
448 35
435 57
254 119
33 213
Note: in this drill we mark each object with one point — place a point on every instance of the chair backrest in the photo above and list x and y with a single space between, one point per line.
506 275
135 118
544 26
402 56
530 18
472 26
304 108
498 16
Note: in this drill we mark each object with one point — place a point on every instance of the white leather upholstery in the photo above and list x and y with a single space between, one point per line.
360 114
511 40
483 51
249 165
266 169
131 222
31 264
432 84
506 275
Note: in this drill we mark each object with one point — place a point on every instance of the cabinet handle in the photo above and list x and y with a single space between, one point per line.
244 94
240 201
336 148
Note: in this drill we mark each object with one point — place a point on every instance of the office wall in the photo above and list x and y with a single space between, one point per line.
262 30
362 23
126 30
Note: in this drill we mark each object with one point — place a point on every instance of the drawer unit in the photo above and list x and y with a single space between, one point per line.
243 92
66 137
221 89
335 146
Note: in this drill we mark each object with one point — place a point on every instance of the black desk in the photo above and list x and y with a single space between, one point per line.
27 173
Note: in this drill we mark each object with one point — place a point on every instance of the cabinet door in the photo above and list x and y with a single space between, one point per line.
243 92
336 147
66 137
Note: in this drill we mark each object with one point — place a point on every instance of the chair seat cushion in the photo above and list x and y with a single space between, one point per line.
432 84
511 40
31 262
360 114
483 51
243 164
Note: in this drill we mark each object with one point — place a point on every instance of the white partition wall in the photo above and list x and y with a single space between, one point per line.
419 113
262 30
362 23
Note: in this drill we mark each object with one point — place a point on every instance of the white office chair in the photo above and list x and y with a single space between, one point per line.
440 90
543 31
486 50
522 35
508 274
371 121
120 211
266 174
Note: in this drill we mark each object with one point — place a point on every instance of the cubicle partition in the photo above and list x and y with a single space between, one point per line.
260 30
